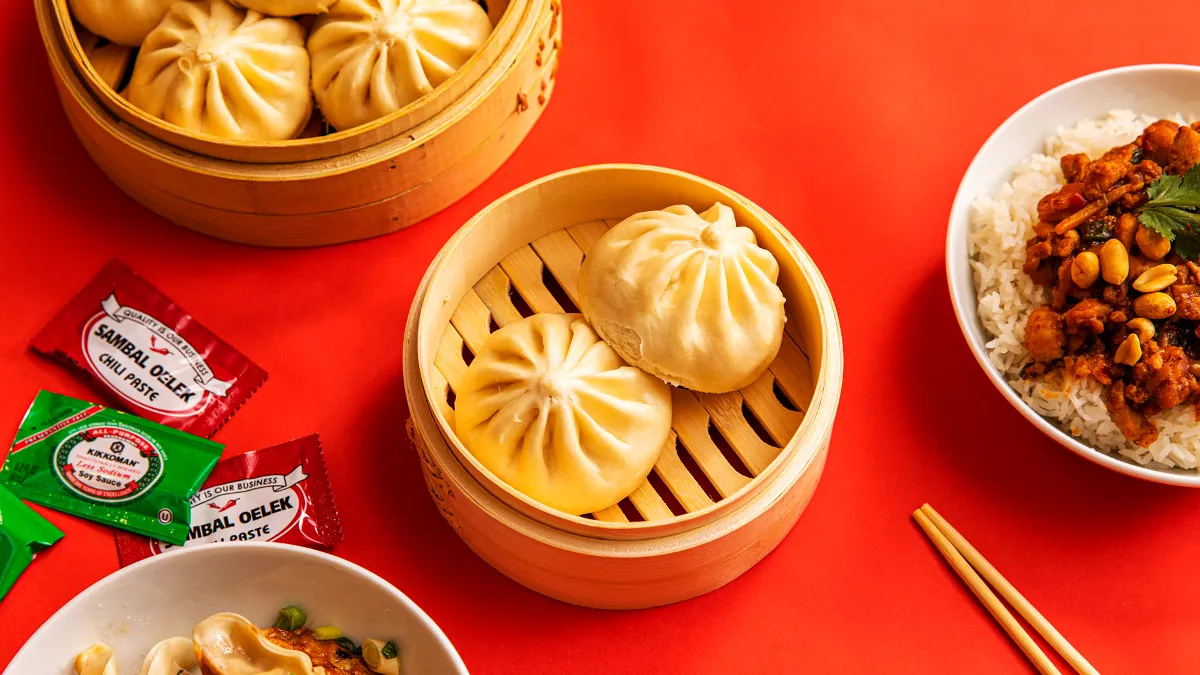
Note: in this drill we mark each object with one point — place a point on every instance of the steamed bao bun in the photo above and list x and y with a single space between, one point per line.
373 57
125 22
287 7
690 298
216 69
552 410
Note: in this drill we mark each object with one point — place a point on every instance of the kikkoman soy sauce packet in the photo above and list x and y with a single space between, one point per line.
107 466
22 533
153 357
279 494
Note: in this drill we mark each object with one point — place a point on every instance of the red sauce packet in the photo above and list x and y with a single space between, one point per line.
154 358
278 494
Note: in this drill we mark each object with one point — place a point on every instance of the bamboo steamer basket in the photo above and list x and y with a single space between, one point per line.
364 182
504 15
739 467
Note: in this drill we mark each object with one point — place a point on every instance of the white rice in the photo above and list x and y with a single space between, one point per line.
1000 225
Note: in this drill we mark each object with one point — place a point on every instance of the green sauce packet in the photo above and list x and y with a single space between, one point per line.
22 533
108 466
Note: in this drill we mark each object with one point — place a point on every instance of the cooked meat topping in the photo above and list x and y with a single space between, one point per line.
1089 315
1045 336
1185 152
327 654
1056 206
1100 176
1124 306
1157 141
1072 166
1132 423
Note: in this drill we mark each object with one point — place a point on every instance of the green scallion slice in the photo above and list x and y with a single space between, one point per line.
348 644
327 632
389 650
290 618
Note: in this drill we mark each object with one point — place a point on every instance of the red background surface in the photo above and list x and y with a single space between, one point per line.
852 123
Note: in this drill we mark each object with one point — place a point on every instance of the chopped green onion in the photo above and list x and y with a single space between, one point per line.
389 650
290 618
348 644
327 632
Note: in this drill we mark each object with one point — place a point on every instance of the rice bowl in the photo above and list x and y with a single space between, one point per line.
1157 91
1000 225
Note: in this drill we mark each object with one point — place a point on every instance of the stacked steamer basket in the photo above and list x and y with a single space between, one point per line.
740 467
319 189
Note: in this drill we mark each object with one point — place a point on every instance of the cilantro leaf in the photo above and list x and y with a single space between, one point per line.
1165 188
1174 211
1169 221
1188 246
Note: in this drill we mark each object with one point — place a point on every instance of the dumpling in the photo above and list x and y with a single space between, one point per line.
215 69
688 297
287 7
556 414
169 657
96 660
125 22
373 57
229 644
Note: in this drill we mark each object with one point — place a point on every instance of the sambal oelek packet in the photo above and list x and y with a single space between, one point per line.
279 494
152 357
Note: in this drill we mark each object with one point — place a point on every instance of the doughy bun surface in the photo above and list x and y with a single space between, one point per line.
689 297
552 410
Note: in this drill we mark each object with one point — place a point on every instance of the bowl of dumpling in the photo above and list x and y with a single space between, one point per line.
301 122
622 381
235 610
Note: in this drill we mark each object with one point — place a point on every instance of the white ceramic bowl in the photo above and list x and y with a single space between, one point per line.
1159 90
165 596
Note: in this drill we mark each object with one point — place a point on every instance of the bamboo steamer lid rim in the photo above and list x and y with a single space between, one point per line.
427 423
186 160
512 12
799 450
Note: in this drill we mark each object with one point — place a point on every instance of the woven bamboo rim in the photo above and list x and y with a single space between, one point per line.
459 259
507 17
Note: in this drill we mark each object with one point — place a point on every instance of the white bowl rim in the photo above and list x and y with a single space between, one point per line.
289 549
969 314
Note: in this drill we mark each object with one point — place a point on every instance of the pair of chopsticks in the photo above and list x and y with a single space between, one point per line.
973 569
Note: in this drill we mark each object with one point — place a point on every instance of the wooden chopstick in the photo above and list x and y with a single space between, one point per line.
986 596
968 563
1010 593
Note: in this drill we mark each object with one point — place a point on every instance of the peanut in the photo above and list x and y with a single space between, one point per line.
1114 262
1085 270
1152 244
1129 352
1154 306
1141 327
1155 279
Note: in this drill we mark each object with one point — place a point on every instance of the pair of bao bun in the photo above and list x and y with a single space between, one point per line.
573 410
244 71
